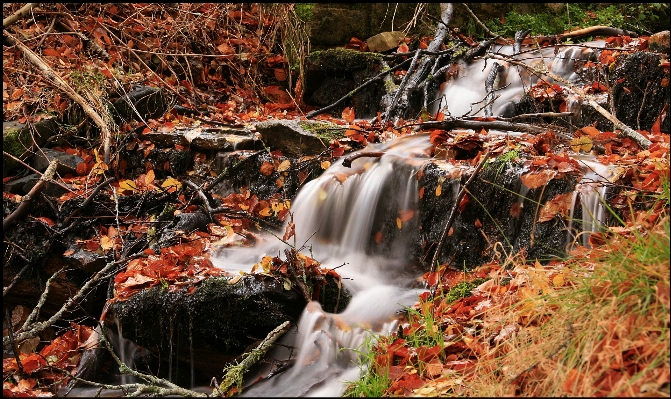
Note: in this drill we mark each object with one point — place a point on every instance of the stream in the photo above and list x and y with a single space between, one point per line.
340 218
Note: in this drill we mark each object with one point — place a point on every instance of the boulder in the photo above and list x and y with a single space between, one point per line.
294 138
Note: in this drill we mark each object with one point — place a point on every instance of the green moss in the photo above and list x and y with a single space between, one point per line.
304 11
340 59
324 130
463 289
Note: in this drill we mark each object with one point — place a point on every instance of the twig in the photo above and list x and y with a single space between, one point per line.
453 212
48 176
493 124
477 21
88 201
347 162
15 347
234 373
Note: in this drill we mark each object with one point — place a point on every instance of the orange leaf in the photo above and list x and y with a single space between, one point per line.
348 114
149 177
406 214
403 48
46 221
538 178
267 168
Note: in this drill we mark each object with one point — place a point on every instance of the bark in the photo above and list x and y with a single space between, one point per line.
400 104
18 15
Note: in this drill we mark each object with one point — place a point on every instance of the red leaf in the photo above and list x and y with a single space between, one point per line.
348 114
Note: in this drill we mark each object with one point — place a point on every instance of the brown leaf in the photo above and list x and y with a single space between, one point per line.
348 114
267 168
538 178
560 204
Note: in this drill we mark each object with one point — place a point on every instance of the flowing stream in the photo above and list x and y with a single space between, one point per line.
338 214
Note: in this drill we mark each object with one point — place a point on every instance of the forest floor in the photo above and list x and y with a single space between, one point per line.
593 324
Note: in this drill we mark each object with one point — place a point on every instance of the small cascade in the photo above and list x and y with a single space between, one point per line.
465 93
363 221
588 198
126 350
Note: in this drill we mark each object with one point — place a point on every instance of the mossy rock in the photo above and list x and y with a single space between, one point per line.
216 322
17 140
340 59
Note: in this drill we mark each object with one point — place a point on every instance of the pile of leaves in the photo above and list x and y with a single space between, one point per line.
596 324
51 365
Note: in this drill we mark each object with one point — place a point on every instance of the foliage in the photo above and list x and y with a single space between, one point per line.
640 17
370 384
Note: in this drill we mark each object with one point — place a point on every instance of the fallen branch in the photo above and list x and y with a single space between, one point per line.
88 201
18 15
494 124
347 162
453 212
598 30
234 373
27 199
58 81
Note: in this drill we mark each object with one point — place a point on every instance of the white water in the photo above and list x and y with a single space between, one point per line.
337 214
465 94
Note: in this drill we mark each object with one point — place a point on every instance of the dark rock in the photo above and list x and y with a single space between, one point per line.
293 138
18 139
84 260
67 163
219 138
212 325
497 189
332 74
141 104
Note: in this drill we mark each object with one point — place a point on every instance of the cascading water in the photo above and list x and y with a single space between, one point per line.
343 218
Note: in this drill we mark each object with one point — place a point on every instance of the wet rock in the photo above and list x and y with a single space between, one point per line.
84 260
659 42
503 208
219 138
67 163
143 103
18 138
293 138
213 324
25 184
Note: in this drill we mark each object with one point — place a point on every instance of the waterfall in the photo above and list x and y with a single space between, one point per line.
345 219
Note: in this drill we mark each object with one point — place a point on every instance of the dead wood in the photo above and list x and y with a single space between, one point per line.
27 199
347 162
58 81
88 201
18 15
495 124
598 30
400 103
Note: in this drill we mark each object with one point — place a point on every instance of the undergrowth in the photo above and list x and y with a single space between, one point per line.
596 324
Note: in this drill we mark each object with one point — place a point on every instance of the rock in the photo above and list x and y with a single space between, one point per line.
144 102
224 315
67 163
218 138
384 41
293 138
659 42
18 139
87 261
